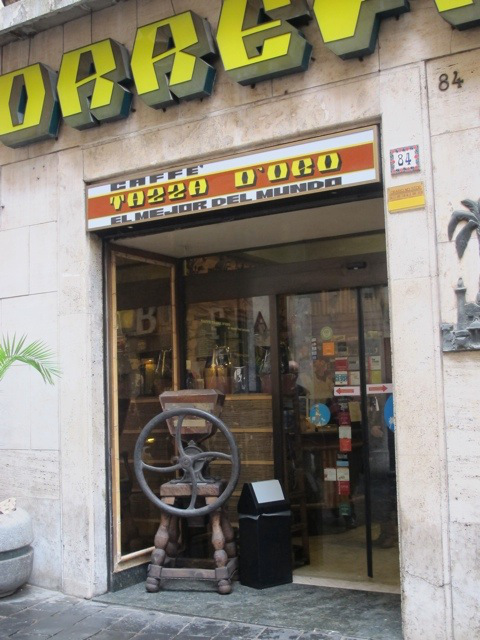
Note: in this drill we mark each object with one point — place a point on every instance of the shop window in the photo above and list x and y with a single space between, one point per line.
143 367
228 348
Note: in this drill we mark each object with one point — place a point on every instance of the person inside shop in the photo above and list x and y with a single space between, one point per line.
323 381
383 478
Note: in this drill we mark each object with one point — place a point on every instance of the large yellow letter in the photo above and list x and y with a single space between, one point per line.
167 60
350 27
29 110
461 14
90 84
257 40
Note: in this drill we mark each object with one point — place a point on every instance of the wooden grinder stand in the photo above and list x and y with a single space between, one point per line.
207 497
166 540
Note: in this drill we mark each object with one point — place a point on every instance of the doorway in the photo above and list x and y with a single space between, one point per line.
338 439
306 368
237 328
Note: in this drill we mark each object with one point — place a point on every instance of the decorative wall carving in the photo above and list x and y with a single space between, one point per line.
465 335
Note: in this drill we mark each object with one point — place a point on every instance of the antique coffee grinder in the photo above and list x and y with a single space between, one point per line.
190 425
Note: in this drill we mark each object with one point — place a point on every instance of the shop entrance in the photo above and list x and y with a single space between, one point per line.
297 336
338 439
308 381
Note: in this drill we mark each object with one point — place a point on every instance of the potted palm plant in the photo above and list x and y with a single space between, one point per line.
16 533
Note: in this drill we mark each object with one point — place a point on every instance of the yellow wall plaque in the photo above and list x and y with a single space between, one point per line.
406 196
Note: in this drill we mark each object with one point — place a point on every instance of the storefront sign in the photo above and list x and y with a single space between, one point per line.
406 197
336 162
461 14
172 60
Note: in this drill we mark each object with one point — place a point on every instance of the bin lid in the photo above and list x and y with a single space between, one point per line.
266 496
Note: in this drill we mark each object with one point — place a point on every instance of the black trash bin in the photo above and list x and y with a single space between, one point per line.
264 518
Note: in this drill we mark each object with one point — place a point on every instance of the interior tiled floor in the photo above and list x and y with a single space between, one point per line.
342 557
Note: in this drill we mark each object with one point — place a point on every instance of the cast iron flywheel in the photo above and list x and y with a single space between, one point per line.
190 458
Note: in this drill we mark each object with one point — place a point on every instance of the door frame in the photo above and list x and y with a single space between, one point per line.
353 272
119 562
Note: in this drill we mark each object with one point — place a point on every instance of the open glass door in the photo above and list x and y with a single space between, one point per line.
338 446
143 365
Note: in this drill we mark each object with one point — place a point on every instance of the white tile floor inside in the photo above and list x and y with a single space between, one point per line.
339 559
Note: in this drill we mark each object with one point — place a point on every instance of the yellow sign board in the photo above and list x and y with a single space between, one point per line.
406 197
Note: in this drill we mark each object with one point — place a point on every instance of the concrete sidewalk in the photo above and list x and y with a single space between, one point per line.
38 614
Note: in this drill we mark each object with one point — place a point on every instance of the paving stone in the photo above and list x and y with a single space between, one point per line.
134 620
271 633
22 599
199 628
82 630
39 614
28 616
51 607
9 626
152 635
114 635
193 637
61 621
28 635
111 614
169 625
321 635
238 631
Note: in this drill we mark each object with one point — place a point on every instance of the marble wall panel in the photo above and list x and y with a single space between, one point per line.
152 10
77 33
119 25
47 47
15 423
424 608
15 55
289 118
43 258
33 315
47 541
41 481
14 249
453 109
462 405
465 572
29 192
418 35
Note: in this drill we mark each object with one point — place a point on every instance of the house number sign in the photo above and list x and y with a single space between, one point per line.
405 160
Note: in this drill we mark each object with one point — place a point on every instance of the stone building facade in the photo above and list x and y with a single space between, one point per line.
53 440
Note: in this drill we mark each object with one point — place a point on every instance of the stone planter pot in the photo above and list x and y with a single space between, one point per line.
16 554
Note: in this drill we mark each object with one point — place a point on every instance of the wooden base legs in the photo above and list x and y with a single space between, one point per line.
165 540
166 546
220 533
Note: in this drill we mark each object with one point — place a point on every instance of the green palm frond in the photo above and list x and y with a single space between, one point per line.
36 355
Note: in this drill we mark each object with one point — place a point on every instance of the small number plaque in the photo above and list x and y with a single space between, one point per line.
405 160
